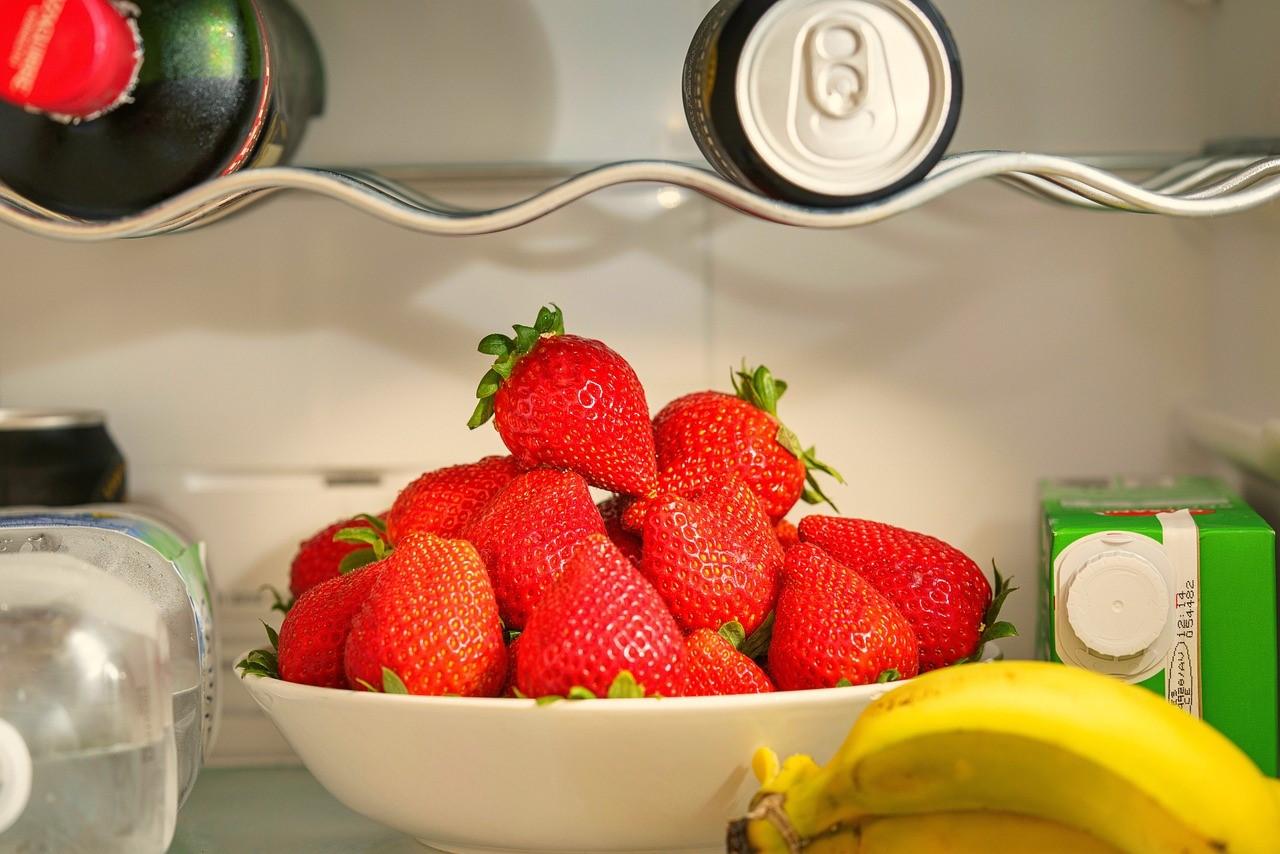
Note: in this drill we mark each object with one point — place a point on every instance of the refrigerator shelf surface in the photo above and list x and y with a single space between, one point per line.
1203 186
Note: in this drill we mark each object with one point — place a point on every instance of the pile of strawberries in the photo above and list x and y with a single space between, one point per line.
504 577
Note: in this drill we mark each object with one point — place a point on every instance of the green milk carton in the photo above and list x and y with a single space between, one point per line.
1168 583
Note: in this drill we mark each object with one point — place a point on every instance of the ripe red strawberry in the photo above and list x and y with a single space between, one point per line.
442 502
527 534
717 667
612 510
729 497
940 591
705 569
568 402
703 435
432 621
788 535
314 632
319 557
831 625
600 619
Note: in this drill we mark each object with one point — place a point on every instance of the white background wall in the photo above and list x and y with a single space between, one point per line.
944 360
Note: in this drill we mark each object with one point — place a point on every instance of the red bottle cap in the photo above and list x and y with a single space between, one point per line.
68 57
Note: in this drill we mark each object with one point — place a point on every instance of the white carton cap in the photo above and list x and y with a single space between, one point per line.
1118 604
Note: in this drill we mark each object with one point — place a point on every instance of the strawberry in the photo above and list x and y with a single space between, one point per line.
702 435
705 567
314 632
442 502
430 625
612 510
831 626
600 619
939 589
320 557
788 535
527 534
729 497
569 402
717 667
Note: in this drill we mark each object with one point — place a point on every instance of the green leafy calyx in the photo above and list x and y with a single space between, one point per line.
375 546
758 387
734 633
278 602
890 675
391 683
756 645
263 662
762 390
376 522
507 350
993 628
623 687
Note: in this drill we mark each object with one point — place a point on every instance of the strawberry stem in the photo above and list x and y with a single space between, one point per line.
507 350
762 390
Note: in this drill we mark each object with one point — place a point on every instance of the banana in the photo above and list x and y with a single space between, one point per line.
959 833
1044 741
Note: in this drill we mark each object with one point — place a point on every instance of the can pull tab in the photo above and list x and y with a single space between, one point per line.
15 775
837 61
846 108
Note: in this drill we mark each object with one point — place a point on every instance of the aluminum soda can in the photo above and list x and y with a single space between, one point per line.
826 103
58 458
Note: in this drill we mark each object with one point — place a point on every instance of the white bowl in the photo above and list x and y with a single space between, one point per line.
590 775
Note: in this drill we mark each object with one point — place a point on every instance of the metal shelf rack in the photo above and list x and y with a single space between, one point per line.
1201 186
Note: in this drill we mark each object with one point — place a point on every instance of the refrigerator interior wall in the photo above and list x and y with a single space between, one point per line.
284 367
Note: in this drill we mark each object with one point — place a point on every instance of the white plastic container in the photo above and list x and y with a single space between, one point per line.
87 755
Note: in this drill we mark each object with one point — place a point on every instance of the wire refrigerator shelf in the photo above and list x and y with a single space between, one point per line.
1197 187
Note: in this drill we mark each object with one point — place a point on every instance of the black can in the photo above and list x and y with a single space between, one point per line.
57 458
824 103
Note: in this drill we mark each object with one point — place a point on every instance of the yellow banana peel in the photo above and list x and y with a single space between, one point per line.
1058 746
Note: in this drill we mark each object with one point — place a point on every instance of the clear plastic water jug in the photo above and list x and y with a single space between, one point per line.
156 560
87 755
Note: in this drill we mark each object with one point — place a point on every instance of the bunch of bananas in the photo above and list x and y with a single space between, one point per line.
1016 757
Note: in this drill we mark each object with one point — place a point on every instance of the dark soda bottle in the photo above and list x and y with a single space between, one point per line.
107 108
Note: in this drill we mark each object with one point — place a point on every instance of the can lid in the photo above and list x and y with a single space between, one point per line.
844 98
49 419
71 58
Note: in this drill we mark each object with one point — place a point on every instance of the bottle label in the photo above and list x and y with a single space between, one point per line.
31 44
